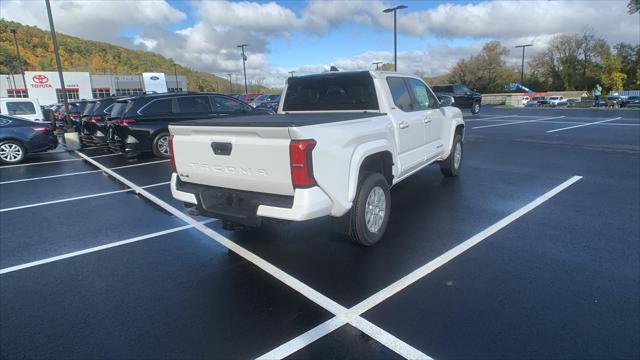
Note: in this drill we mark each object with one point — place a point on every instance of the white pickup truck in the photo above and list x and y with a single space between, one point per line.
338 143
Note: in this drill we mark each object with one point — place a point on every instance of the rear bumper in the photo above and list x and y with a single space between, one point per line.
248 207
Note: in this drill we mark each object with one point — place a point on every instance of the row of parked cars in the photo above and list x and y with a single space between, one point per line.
132 125
559 101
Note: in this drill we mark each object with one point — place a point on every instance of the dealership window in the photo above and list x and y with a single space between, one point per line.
72 94
174 89
129 91
99 93
17 93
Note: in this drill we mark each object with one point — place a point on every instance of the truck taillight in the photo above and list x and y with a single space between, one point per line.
173 158
301 163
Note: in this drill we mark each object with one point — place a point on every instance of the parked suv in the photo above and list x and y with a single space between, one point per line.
141 124
463 97
93 130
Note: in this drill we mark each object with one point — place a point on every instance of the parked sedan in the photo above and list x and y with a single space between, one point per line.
631 101
264 98
270 104
141 124
19 137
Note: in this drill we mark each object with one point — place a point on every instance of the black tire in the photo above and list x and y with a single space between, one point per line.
475 108
12 152
449 167
358 229
160 145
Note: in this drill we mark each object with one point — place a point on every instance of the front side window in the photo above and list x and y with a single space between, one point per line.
20 108
158 107
228 104
194 104
400 93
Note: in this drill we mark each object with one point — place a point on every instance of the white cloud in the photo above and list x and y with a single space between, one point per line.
209 43
94 20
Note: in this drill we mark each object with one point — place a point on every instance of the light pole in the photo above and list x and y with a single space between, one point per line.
395 33
15 41
291 73
58 62
244 67
230 85
377 64
522 67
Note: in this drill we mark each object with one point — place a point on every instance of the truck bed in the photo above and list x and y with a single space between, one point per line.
280 120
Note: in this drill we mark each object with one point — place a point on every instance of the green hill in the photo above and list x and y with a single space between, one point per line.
95 57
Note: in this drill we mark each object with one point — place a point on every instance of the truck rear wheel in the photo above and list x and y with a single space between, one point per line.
371 210
451 165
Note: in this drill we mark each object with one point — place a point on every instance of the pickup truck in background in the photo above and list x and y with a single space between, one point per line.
463 97
338 143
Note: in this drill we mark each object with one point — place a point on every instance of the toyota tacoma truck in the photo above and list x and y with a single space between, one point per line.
338 143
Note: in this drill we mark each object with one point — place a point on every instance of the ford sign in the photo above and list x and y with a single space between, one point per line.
154 78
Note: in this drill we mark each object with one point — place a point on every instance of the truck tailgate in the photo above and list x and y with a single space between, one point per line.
241 158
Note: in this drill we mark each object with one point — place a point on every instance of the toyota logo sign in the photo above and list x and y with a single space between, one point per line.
40 79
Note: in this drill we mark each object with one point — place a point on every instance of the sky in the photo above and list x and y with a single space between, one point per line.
309 36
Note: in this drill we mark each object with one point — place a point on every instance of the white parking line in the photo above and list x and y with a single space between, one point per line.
96 248
79 172
474 117
55 161
583 125
295 284
79 197
518 122
568 122
328 326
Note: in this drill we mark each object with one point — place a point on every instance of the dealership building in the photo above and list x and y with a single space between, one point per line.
45 85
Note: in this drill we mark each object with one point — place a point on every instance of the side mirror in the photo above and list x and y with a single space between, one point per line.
446 100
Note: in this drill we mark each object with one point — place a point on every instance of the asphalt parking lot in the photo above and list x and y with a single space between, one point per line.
532 252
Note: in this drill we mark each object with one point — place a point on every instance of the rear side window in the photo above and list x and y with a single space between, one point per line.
194 104
399 93
119 108
88 109
331 92
443 88
20 108
163 106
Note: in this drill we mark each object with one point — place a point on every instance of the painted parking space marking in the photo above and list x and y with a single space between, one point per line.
80 172
587 124
96 248
305 290
54 161
518 122
572 122
328 326
79 197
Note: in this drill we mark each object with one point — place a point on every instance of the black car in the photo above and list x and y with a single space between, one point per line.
463 97
141 124
19 137
270 104
631 101
93 130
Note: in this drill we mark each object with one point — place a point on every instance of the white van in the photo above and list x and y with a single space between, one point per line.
26 108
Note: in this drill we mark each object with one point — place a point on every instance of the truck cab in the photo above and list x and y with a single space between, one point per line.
26 108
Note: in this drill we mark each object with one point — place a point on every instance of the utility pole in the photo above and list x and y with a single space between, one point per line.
230 84
291 73
15 41
395 33
244 67
57 52
377 64
175 73
524 46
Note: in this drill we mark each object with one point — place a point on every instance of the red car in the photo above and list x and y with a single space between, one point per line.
247 98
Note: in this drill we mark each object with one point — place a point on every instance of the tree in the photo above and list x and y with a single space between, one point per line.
633 6
485 72
612 76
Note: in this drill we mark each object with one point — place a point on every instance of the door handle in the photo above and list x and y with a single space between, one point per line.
404 125
427 121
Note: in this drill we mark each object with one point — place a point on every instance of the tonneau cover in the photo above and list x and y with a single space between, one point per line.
280 120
